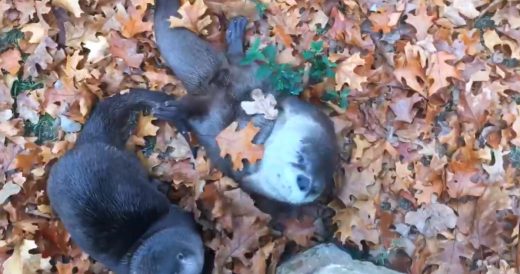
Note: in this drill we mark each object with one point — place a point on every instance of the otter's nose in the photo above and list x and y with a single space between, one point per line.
304 183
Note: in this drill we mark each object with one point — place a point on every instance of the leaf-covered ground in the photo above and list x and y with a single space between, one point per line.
423 94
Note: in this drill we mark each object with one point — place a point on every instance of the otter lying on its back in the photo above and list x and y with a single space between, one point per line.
300 145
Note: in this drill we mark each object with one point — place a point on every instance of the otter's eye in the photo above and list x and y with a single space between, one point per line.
180 256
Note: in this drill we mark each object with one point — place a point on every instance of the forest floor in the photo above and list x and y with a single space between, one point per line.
424 96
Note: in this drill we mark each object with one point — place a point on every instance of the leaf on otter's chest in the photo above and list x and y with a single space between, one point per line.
238 144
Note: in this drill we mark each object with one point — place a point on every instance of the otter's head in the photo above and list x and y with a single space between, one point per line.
299 161
172 250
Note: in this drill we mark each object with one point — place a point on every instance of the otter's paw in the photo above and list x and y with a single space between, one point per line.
235 35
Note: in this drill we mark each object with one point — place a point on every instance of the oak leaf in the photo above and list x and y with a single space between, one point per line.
125 49
192 17
403 107
421 21
432 219
460 184
246 237
98 49
449 255
439 71
345 73
486 225
133 24
238 144
261 104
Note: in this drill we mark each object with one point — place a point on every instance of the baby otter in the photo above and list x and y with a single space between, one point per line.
110 206
300 148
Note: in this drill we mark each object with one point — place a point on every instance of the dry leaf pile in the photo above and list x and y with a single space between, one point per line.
430 136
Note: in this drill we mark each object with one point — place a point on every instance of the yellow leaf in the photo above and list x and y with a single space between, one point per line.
39 31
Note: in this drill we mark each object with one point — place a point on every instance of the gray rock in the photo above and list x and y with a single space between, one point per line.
328 259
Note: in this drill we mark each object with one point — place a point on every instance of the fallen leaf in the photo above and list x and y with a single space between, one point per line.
192 17
238 144
125 49
432 219
98 49
10 61
421 21
133 23
345 73
403 107
261 104
439 71
145 127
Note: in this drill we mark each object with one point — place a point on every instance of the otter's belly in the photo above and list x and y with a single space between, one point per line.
276 176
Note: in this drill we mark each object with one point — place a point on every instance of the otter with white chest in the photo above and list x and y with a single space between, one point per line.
301 152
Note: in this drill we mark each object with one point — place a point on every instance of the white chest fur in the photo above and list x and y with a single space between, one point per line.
276 174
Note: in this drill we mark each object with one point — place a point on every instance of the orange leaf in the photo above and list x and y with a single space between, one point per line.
238 144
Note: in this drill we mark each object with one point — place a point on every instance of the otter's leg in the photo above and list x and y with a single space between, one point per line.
193 60
235 35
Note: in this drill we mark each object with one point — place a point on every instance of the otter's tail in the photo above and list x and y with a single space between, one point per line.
109 121
193 60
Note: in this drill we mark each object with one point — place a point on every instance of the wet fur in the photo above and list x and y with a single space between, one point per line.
108 203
